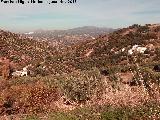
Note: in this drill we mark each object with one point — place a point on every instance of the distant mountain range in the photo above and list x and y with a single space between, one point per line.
70 36
91 30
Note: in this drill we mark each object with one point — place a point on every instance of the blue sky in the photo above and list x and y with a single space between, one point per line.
102 13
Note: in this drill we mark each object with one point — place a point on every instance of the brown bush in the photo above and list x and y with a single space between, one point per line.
6 71
6 68
28 98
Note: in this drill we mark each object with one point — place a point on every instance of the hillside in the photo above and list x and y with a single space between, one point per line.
22 50
106 50
114 76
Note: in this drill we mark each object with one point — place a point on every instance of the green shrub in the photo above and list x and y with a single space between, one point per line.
61 116
33 117
82 86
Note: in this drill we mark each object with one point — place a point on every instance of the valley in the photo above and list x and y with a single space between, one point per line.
82 73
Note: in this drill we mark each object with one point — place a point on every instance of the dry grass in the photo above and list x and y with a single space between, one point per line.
27 98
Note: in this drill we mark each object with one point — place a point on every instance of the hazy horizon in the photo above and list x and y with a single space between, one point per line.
102 13
42 29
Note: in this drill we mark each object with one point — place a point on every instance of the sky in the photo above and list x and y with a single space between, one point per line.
101 13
